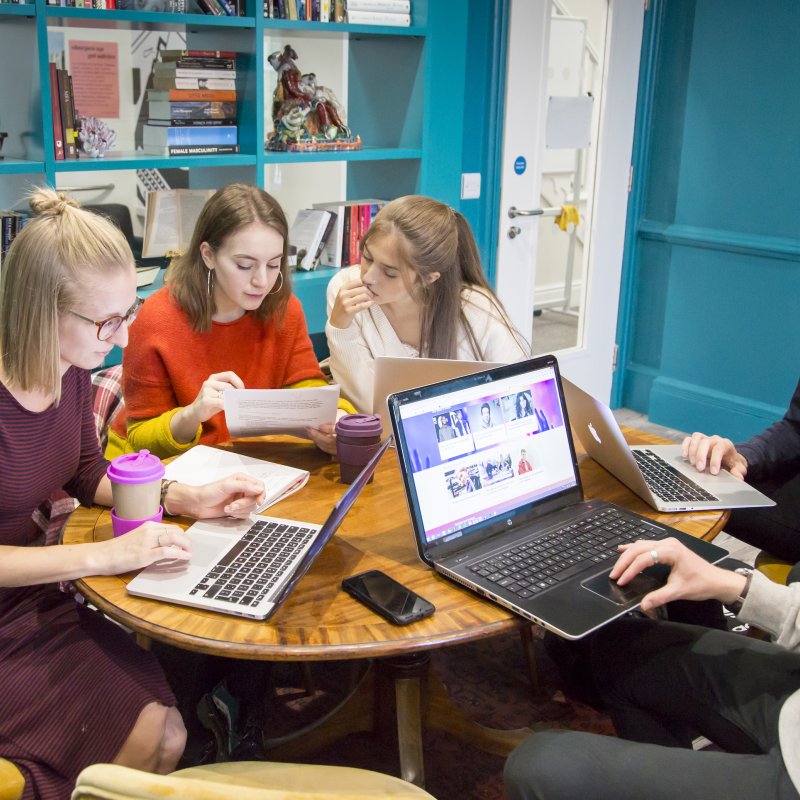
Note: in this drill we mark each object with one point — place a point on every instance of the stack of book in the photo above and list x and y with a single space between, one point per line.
11 223
358 12
62 105
353 217
192 105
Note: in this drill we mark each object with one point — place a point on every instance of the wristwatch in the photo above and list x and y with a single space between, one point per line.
736 605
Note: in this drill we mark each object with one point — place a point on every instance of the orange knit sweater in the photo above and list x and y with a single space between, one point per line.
166 361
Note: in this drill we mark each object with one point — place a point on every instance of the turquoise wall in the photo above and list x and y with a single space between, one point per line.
710 314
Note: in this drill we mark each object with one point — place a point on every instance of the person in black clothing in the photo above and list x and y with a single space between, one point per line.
769 461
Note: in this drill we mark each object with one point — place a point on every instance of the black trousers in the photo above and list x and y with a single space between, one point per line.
661 683
775 529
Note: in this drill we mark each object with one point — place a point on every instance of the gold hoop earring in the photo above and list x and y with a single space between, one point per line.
210 287
280 285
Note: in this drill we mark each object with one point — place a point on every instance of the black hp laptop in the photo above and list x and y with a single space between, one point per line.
499 507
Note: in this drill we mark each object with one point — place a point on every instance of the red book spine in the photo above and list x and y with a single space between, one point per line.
345 254
365 214
55 111
355 256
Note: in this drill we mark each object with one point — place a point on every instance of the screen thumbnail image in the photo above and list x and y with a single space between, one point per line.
451 425
496 468
463 480
485 414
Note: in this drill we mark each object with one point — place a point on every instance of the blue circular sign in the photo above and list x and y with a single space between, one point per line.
520 165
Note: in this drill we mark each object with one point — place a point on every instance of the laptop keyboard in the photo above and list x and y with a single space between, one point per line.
667 482
248 571
534 566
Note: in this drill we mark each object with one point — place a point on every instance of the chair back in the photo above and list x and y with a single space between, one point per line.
244 780
107 400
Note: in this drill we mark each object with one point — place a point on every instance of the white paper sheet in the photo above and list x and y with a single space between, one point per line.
257 412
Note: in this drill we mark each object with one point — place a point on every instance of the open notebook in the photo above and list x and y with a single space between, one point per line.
203 464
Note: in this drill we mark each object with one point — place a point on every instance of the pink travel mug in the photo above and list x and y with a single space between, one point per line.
358 437
136 489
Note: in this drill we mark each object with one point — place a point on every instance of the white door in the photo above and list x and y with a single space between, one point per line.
594 178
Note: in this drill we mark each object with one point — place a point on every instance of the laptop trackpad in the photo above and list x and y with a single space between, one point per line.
622 595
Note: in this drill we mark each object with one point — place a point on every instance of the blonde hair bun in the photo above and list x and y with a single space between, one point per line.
48 202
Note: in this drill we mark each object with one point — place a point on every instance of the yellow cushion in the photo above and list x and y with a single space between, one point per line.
11 781
253 780
774 568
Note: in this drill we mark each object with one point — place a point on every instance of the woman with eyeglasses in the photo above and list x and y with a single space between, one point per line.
76 690
227 319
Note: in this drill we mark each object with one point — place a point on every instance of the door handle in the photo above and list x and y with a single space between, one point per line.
515 212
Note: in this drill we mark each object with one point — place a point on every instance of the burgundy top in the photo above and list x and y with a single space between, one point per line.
44 451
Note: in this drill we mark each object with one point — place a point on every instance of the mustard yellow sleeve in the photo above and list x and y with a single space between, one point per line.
345 405
154 435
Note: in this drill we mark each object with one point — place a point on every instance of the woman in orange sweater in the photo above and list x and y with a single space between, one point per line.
227 319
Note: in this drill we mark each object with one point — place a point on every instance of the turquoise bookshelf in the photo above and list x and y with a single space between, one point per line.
405 90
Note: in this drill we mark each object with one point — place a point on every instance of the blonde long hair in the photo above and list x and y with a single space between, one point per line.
230 208
433 237
51 262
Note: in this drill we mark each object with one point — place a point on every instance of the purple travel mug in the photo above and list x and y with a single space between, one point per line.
358 437
136 489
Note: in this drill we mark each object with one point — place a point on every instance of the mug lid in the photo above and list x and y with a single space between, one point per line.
359 425
141 467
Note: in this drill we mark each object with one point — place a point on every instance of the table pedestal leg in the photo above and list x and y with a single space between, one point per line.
403 690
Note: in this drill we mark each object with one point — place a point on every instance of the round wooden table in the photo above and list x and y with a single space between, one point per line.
320 622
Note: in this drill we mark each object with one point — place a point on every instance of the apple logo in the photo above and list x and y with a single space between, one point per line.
594 433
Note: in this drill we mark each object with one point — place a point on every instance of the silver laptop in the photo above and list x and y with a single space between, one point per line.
247 567
657 473
499 508
396 374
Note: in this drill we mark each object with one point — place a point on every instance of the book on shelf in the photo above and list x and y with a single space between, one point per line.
180 55
167 82
191 110
190 123
55 111
11 223
160 136
169 70
308 235
378 18
353 217
178 65
67 108
169 219
192 150
188 95
391 6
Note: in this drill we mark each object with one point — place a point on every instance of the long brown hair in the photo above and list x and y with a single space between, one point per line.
230 208
51 263
435 238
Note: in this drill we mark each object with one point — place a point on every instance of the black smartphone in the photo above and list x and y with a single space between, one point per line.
387 597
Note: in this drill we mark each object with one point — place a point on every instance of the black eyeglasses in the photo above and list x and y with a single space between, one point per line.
108 327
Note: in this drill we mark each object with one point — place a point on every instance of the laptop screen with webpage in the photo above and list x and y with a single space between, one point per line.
479 450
